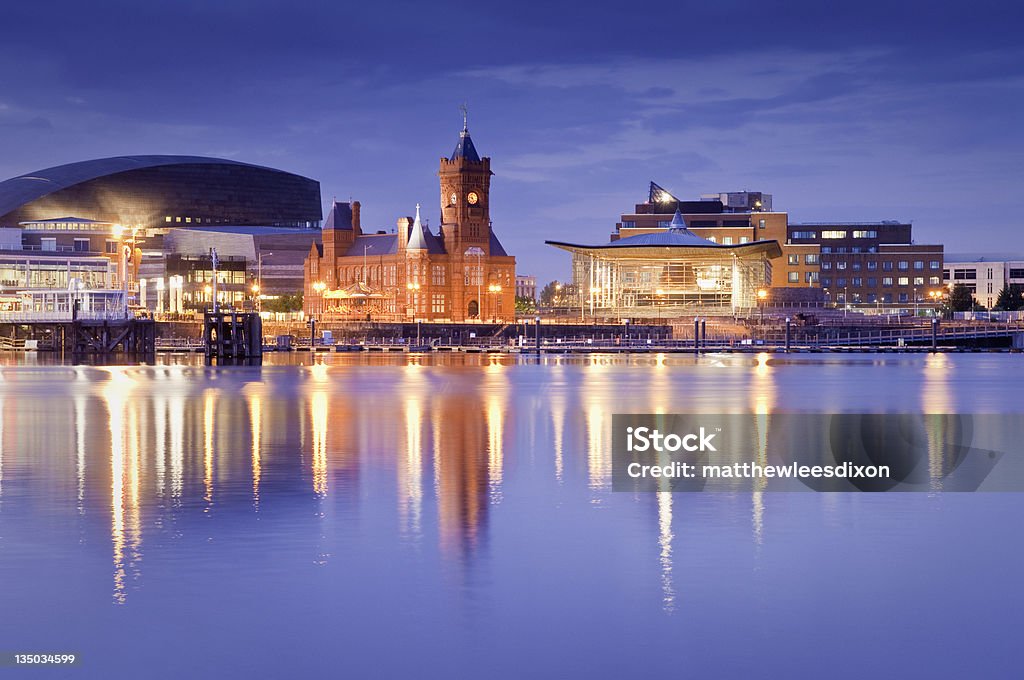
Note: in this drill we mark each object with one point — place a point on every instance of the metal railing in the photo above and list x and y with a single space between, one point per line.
60 316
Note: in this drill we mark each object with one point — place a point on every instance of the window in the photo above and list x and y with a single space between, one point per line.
664 223
833 234
919 264
887 266
629 224
727 240
872 297
989 286
933 280
1017 273
712 239
794 277
840 282
856 266
918 280
744 239
857 282
794 259
111 247
811 277
865 234
872 265
903 265
760 224
437 275
934 264
841 249
887 281
826 264
799 234
904 281
872 282
811 259
167 218
841 264
989 273
827 281
964 274
48 243
81 245
825 250
904 297
437 303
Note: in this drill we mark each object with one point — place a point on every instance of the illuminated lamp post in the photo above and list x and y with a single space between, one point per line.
412 289
256 296
762 294
319 287
494 289
208 290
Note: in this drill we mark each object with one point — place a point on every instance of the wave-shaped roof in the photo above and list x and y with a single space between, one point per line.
18 191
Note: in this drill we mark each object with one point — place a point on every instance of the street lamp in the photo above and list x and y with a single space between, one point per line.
259 278
207 289
256 295
413 288
319 287
762 295
495 289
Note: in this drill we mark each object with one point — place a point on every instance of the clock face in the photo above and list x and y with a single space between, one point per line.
472 198
454 198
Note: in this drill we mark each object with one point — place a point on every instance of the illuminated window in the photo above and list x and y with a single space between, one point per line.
794 277
727 240
918 280
437 303
794 259
811 258
167 218
833 234
865 234
904 281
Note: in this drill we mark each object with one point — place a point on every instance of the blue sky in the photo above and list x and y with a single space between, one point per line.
849 111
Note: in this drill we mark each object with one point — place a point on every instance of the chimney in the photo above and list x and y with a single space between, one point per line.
355 218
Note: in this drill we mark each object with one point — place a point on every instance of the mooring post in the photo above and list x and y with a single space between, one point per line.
935 333
696 334
536 322
704 332
787 334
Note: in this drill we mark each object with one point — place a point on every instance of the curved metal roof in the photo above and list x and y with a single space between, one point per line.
29 187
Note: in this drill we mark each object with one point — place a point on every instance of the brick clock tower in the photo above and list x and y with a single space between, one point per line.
478 262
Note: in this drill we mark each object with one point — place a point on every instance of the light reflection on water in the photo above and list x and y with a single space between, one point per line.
494 470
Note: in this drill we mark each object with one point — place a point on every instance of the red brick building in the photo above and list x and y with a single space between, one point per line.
462 273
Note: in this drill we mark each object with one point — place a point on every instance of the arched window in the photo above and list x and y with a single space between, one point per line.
474 309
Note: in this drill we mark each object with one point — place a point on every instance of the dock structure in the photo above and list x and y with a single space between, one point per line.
78 333
232 335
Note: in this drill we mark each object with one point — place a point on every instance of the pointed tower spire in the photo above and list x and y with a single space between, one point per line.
677 221
465 148
417 237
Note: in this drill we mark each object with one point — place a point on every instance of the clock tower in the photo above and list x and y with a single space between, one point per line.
465 197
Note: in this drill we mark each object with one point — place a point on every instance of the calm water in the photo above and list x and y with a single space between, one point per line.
451 516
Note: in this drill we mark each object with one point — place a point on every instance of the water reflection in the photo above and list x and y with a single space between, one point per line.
440 447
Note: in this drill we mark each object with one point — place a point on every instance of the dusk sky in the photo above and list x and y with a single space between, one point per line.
841 111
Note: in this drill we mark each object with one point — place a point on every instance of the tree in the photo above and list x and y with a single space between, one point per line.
1010 299
961 299
550 293
284 303
525 305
